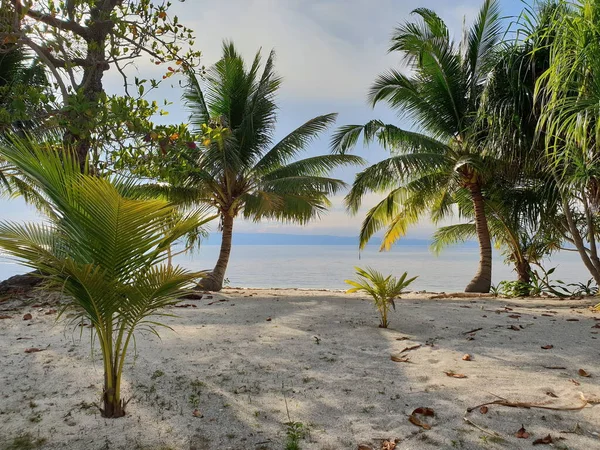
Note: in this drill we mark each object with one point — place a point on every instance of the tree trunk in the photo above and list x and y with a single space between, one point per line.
523 271
114 406
90 88
214 282
578 241
482 281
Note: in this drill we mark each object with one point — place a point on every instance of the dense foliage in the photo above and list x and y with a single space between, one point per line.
77 42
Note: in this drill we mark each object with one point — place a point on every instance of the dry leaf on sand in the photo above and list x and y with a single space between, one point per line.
422 411
484 410
455 375
427 412
522 433
543 441
33 350
400 358
408 349
467 357
388 445
547 347
417 422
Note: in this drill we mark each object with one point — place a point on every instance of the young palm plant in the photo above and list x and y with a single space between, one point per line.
383 290
237 168
442 95
105 251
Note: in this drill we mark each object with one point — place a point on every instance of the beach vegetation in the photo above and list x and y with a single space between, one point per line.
568 93
105 251
382 289
295 432
26 441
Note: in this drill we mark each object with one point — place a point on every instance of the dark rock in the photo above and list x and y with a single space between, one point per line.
20 284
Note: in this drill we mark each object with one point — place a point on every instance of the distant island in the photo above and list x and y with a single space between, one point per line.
304 239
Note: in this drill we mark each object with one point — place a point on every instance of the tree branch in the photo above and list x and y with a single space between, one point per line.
50 62
48 19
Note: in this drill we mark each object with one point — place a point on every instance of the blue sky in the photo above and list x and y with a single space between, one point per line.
328 52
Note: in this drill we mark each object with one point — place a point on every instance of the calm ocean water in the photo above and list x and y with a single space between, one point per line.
326 267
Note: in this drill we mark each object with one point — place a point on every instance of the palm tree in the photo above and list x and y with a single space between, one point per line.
105 251
236 168
522 202
519 223
442 96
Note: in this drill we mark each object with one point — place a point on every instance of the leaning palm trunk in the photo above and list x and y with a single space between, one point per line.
482 281
214 282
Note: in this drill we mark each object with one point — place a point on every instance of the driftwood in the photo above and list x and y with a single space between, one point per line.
527 405
461 295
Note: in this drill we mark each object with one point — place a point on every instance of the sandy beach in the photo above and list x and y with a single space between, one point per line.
236 367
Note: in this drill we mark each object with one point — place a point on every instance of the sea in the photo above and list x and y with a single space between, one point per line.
327 266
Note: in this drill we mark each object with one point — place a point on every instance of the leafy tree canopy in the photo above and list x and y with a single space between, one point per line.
77 41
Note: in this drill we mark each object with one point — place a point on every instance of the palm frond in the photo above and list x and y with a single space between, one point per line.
295 142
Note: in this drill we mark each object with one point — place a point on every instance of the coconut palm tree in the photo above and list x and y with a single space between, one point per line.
522 202
441 95
382 289
105 251
237 168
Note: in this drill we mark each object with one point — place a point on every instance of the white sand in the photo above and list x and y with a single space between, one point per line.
237 368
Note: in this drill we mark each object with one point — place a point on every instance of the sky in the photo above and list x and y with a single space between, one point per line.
328 53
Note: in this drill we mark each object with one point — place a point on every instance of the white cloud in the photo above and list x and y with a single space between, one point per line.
325 48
